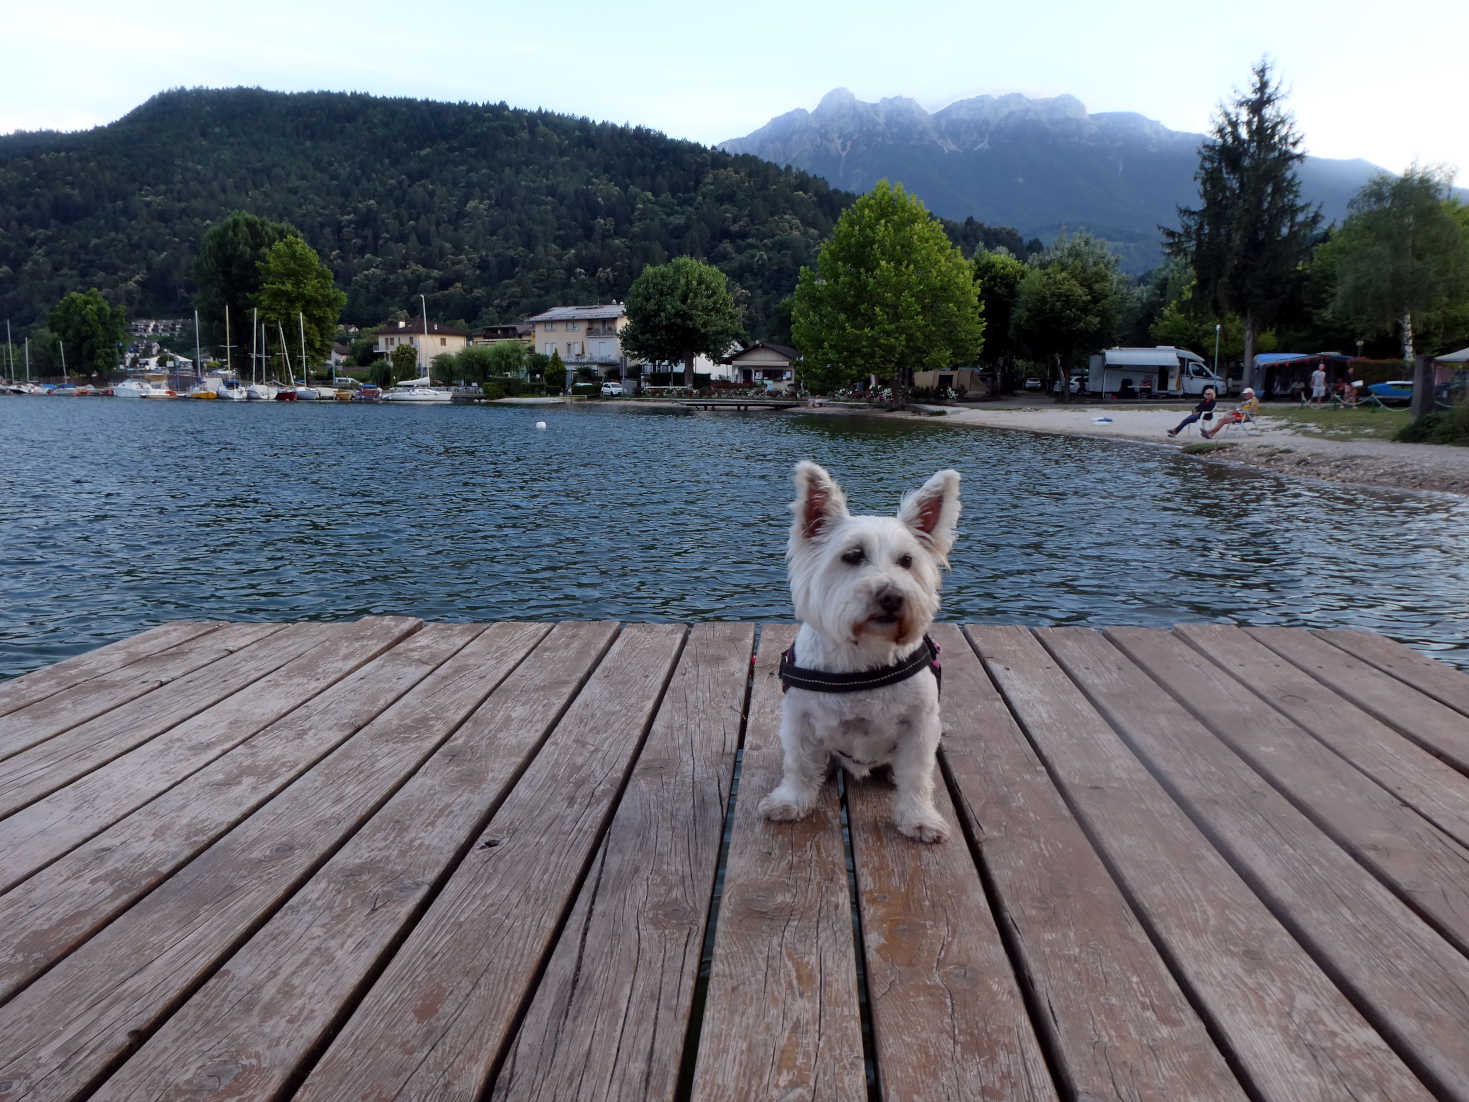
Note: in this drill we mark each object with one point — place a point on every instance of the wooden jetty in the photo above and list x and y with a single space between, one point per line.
740 404
389 859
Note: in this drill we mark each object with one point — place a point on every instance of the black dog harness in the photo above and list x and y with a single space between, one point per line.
819 681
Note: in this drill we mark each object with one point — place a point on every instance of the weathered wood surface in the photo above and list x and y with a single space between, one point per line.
388 859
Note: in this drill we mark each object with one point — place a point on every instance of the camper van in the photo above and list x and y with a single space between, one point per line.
1159 372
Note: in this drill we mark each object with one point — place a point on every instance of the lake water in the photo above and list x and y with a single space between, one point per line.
120 515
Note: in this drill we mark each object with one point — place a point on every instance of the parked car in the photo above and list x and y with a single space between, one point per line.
1395 390
1032 383
611 390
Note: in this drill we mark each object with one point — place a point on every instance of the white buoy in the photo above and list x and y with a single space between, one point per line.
540 424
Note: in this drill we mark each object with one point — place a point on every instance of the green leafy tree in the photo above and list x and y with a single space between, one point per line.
363 351
92 331
405 362
474 364
680 310
1249 236
508 359
442 367
1402 257
555 373
1070 302
227 269
297 293
998 274
889 295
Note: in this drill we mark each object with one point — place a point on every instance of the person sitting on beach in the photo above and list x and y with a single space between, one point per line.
1241 413
1204 410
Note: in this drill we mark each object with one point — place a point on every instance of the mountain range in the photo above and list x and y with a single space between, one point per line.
1042 166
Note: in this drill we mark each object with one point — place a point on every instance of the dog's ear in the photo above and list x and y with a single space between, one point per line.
819 506
932 511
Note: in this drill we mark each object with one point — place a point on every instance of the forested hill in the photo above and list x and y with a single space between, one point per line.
492 212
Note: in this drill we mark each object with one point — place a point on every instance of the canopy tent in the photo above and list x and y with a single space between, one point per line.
1459 357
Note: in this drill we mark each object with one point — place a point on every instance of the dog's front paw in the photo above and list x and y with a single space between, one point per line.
924 827
781 806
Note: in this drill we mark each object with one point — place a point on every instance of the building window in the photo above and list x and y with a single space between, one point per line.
571 327
443 341
550 327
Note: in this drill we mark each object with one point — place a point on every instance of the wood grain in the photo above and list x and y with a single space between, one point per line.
1426 867
27 689
1436 679
112 992
1360 933
248 1030
24 727
781 1019
1437 728
1433 788
59 907
611 1012
1119 1023
44 830
252 651
1291 1031
443 1010
947 1016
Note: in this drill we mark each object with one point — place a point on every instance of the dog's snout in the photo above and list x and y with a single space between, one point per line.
890 601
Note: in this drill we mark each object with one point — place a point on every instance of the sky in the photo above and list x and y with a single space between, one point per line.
1369 87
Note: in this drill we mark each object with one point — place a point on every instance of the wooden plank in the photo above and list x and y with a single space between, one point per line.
254 651
59 907
449 998
948 1019
1427 868
1440 730
1431 787
1116 1019
781 1018
83 1015
27 689
1410 984
246 1031
43 831
1289 1030
610 1015
1436 679
58 712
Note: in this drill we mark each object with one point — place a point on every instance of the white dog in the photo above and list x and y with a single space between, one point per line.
857 680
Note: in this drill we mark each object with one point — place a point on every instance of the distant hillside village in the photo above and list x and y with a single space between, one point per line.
586 338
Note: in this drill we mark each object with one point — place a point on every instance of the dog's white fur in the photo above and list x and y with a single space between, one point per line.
865 590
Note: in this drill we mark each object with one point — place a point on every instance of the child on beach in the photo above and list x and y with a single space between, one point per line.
1204 409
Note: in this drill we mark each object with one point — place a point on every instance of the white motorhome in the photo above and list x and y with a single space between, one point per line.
1162 371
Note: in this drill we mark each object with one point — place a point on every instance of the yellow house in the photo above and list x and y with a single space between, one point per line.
585 336
430 338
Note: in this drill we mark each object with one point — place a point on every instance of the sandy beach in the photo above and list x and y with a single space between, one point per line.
1272 445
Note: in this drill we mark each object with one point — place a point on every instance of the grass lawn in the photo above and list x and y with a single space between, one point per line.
1342 424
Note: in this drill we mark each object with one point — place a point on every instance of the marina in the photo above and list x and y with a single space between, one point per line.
518 859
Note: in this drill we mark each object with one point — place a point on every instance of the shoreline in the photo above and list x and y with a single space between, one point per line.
1272 446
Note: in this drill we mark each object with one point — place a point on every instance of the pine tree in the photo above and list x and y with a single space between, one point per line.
1251 232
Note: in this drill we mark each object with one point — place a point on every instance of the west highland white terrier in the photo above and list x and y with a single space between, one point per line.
861 682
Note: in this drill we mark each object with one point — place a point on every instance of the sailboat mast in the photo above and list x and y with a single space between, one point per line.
285 353
427 373
198 374
301 322
227 368
9 353
62 344
254 346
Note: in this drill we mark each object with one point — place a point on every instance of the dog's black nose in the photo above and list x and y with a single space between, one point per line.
890 601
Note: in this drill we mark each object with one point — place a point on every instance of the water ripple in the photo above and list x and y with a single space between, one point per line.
122 515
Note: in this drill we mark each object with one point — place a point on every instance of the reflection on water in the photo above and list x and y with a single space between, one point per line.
121 515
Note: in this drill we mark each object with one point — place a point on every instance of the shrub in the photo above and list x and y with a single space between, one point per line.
492 390
1441 426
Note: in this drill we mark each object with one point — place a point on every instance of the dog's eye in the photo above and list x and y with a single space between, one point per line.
853 556
905 561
